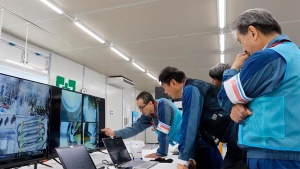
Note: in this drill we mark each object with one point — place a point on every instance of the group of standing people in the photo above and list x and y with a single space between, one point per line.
251 105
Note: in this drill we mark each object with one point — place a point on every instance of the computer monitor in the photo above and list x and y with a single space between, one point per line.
75 157
93 121
65 119
75 119
24 109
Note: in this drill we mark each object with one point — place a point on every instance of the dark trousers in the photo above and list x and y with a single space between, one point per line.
235 157
207 156
256 163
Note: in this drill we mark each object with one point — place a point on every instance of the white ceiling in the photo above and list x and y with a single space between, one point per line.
155 33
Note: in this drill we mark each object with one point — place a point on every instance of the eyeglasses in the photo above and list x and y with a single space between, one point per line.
141 107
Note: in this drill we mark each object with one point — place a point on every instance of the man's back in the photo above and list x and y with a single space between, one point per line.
214 120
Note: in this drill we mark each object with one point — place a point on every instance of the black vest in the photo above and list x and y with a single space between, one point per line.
214 120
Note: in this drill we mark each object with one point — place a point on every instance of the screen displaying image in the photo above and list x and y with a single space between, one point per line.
23 97
71 106
23 120
91 135
70 133
90 108
65 119
101 122
31 133
75 121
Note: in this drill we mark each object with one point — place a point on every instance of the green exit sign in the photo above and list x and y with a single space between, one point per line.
69 85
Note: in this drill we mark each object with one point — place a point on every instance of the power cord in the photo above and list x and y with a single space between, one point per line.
105 162
103 152
153 146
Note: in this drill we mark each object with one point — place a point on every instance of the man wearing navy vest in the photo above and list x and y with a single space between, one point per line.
162 115
263 85
202 118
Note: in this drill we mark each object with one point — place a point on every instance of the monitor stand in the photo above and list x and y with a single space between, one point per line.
56 161
38 162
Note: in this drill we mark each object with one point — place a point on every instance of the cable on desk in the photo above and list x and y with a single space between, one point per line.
105 162
152 146
103 152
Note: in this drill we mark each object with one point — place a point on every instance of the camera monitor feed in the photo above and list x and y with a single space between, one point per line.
23 120
70 117
65 120
75 119
91 111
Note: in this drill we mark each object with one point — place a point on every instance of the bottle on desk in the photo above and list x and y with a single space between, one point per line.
137 152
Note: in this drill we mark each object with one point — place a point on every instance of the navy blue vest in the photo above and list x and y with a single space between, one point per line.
214 120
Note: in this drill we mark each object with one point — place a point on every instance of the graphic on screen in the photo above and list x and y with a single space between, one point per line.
75 121
70 133
90 108
71 106
91 135
22 97
31 133
23 119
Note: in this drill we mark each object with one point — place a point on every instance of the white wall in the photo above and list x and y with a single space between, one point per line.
10 54
93 82
67 69
113 108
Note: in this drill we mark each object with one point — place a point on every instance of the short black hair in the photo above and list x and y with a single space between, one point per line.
169 73
216 72
146 96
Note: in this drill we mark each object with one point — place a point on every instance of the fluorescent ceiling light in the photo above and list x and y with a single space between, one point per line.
45 71
151 76
222 42
119 53
222 58
221 13
53 6
19 64
138 66
89 31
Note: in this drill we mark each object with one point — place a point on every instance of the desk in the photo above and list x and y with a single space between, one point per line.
98 157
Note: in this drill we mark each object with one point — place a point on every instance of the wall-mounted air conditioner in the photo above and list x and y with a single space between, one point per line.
120 82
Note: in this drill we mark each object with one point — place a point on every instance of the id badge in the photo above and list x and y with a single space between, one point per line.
162 127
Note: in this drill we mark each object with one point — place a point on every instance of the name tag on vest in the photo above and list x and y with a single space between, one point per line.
162 127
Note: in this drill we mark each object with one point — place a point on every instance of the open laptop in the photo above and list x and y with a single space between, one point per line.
120 156
75 157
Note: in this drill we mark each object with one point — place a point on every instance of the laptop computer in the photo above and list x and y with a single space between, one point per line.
120 157
75 157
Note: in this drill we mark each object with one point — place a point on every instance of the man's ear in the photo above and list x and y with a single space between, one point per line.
173 82
253 31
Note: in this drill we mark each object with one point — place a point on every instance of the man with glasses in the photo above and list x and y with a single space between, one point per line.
162 115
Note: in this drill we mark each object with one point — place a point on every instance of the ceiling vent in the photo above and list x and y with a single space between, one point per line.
120 82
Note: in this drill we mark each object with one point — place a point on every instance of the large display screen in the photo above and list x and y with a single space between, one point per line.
90 119
70 118
24 109
93 121
75 119
65 119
